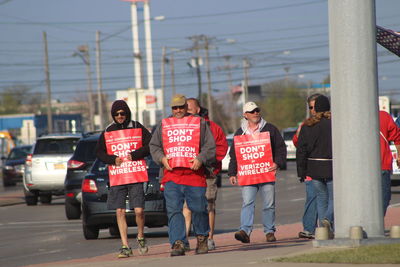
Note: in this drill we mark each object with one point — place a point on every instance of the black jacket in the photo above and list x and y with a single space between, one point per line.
144 151
314 150
278 147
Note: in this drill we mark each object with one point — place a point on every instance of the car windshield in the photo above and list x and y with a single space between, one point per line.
19 153
55 146
288 135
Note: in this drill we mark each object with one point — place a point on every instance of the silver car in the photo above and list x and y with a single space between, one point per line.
46 167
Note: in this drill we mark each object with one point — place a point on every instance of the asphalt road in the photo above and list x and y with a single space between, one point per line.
39 234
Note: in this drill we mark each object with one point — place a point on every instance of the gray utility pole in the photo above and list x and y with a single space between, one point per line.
172 69
163 61
246 66
99 80
47 73
355 127
233 106
83 53
209 95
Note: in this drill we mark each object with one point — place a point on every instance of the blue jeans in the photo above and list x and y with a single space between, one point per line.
175 195
310 215
324 190
249 193
386 190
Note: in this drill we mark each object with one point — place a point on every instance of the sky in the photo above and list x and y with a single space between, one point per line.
280 38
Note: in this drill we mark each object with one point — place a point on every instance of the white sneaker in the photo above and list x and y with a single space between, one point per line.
211 244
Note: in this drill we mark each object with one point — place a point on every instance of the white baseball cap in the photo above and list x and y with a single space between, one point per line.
249 106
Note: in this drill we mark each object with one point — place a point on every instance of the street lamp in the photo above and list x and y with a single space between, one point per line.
83 53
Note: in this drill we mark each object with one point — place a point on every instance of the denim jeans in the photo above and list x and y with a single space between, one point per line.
249 193
310 214
324 190
175 195
386 190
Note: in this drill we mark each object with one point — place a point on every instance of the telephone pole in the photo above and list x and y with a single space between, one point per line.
99 80
209 95
172 69
163 59
47 73
246 66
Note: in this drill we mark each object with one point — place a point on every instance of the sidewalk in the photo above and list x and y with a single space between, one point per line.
229 251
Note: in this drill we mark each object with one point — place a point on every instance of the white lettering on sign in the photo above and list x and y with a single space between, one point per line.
180 135
124 146
252 152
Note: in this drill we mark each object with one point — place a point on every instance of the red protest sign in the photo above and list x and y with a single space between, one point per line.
120 143
181 140
254 157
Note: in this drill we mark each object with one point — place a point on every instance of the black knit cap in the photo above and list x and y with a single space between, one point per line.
322 104
120 105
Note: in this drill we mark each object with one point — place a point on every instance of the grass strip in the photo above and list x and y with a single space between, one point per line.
376 254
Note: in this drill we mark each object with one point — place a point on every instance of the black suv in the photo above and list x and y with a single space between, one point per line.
77 167
95 214
13 166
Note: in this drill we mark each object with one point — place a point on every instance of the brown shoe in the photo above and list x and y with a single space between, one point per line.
270 237
242 236
202 244
178 249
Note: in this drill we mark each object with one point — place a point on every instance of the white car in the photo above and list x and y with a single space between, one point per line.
288 134
225 161
396 170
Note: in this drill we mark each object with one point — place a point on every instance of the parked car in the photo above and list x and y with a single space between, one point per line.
288 134
225 161
46 167
14 165
96 216
77 167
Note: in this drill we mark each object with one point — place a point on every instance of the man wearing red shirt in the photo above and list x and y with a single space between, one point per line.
220 152
184 154
388 132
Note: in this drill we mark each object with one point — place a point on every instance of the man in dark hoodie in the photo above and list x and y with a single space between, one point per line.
132 184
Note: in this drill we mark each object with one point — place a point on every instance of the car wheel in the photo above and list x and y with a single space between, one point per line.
72 211
90 232
31 199
114 231
8 183
45 199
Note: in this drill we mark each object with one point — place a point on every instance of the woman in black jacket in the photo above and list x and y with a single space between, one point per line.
314 158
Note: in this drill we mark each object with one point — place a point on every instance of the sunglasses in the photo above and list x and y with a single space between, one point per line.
254 111
311 107
120 114
179 107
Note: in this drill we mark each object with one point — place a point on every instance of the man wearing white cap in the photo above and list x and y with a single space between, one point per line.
257 152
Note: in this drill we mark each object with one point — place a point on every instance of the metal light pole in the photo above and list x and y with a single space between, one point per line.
83 53
355 127
99 80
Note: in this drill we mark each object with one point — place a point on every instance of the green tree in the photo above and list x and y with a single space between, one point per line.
220 116
18 99
284 105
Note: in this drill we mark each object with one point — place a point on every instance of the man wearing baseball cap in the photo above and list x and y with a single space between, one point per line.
184 145
257 151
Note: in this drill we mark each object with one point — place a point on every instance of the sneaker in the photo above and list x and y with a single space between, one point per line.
125 252
178 249
211 244
327 224
270 237
142 246
186 246
202 244
242 236
306 234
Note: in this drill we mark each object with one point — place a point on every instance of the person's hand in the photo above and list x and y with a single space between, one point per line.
302 179
273 167
165 163
196 164
118 161
129 157
233 180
